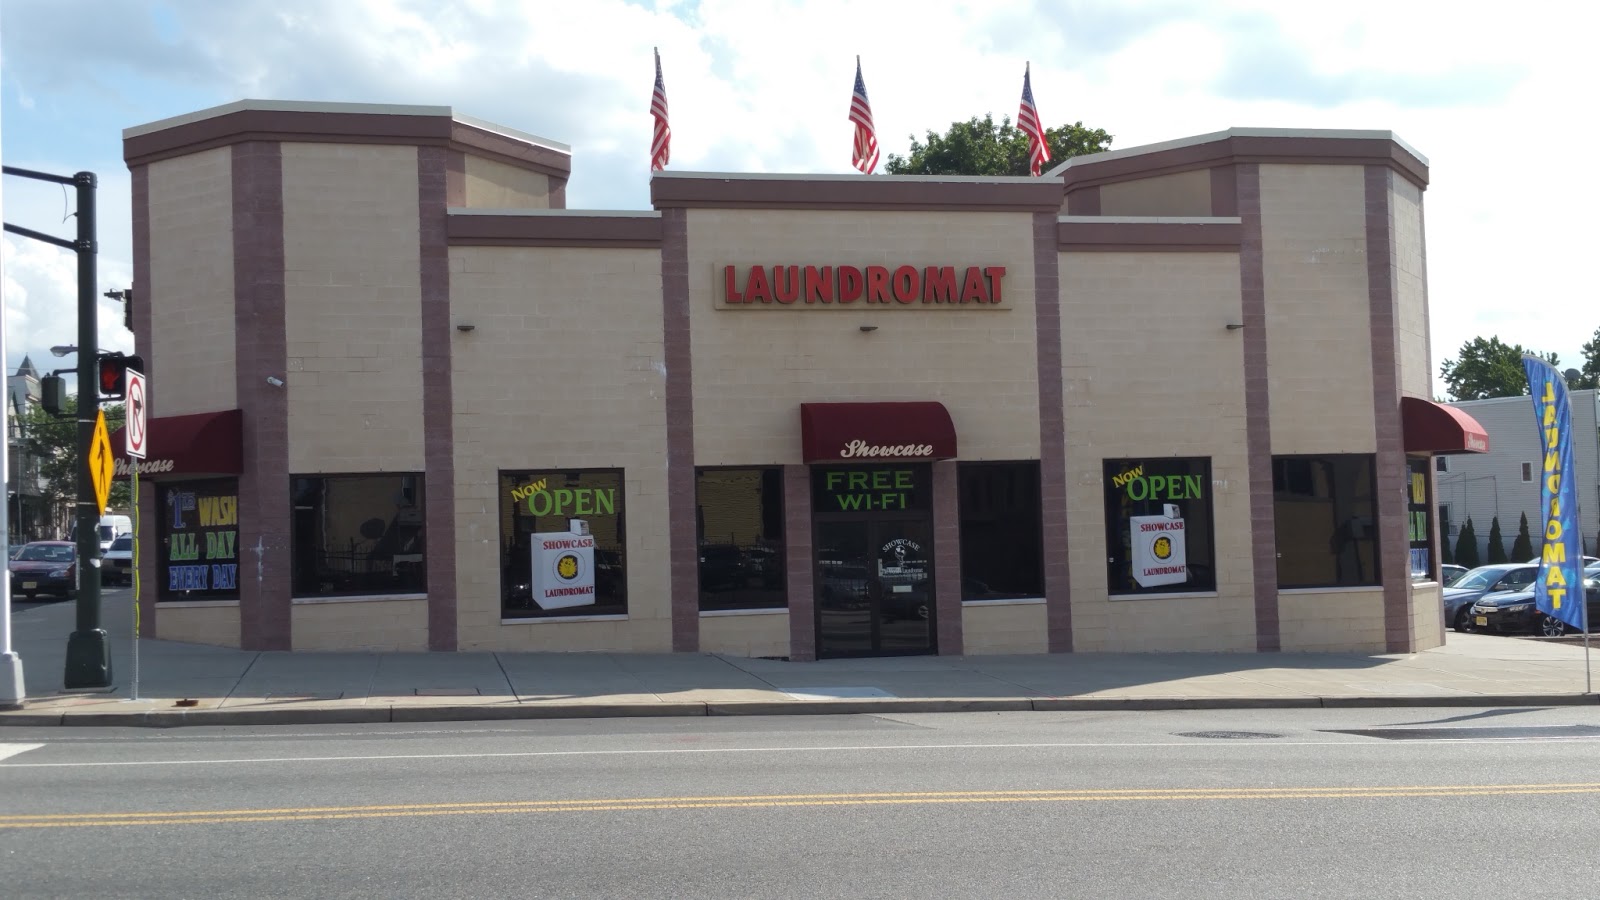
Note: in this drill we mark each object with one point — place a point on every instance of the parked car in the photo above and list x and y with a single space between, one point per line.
1517 612
1471 587
116 564
1587 561
1449 574
45 567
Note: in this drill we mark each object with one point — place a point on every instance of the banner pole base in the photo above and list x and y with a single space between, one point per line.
12 689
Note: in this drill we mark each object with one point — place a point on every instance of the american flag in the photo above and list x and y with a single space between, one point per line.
1028 122
661 143
865 154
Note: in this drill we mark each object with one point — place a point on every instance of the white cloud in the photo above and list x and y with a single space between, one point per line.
1495 100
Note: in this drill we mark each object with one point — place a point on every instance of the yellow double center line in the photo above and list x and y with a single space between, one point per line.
772 801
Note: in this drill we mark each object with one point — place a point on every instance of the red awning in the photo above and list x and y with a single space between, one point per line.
1436 428
187 446
840 432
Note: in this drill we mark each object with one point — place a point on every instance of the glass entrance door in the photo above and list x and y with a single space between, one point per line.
874 587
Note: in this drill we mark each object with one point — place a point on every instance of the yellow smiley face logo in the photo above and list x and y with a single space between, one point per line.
567 567
1163 547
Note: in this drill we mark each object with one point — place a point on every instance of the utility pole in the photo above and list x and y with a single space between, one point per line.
88 650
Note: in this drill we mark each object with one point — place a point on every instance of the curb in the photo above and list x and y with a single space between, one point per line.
365 715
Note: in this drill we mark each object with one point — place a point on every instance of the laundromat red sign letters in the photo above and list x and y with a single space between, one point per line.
757 287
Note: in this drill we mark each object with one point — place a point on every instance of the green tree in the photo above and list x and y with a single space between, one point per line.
53 442
1522 547
1497 543
1467 546
1486 368
980 147
1589 375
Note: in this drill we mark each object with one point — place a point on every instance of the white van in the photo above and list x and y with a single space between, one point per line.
111 528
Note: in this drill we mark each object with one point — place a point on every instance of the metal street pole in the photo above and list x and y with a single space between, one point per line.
88 650
12 688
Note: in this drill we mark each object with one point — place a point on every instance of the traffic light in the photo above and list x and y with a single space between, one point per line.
112 371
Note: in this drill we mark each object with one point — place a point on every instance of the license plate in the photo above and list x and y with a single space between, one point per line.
29 585
1482 620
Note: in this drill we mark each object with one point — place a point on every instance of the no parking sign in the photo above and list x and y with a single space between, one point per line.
137 431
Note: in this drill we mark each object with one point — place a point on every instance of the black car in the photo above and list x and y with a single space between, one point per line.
1516 612
1481 582
45 567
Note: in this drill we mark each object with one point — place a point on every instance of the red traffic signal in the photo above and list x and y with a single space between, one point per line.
113 374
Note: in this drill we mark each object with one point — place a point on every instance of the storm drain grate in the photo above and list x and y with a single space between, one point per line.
1230 735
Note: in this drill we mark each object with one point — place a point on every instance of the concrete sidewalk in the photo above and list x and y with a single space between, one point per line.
236 687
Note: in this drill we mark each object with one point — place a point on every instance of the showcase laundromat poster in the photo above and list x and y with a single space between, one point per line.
1158 538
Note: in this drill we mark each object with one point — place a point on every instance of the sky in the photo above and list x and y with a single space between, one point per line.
1495 97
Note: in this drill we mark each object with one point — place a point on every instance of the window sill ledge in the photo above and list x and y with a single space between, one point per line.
1356 589
1165 595
762 611
1006 601
545 620
194 604
361 598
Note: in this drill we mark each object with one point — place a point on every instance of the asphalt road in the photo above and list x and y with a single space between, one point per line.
1427 803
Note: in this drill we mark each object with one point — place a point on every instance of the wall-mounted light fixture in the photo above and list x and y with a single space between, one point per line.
464 326
1235 326
869 328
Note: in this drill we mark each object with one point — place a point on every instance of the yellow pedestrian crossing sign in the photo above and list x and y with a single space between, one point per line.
100 463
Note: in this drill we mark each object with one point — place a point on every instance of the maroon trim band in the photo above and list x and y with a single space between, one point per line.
1393 564
1224 191
1178 236
797 555
149 560
476 229
1084 201
1089 171
260 346
311 126
712 192
438 409
947 559
685 577
1257 410
1052 433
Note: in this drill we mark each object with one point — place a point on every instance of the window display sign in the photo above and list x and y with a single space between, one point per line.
1159 525
871 488
199 555
546 567
1160 553
1419 519
563 568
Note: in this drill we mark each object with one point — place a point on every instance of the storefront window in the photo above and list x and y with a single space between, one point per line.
358 535
198 554
739 519
1325 509
561 572
1419 519
1002 544
1159 533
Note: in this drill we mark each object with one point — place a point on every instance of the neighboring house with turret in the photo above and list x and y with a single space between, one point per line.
32 515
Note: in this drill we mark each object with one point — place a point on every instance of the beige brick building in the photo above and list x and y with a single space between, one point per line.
1164 398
